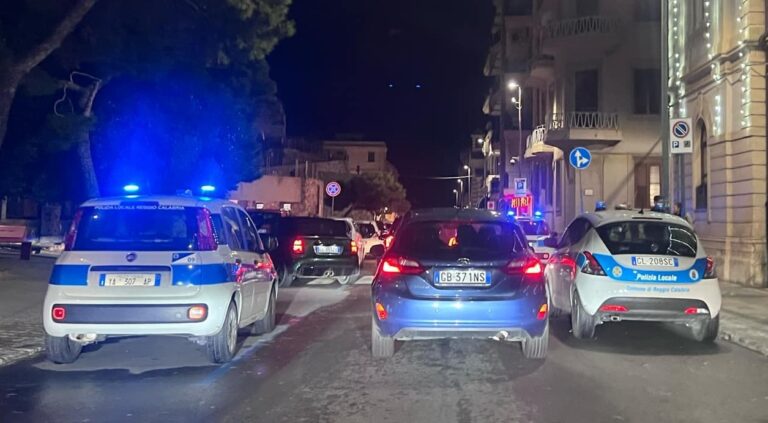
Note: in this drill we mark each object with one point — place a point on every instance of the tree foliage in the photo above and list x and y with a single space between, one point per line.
372 192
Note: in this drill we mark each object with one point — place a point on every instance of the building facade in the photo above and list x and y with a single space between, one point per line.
717 78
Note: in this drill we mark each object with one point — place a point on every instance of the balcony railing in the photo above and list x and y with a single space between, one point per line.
538 136
583 120
583 25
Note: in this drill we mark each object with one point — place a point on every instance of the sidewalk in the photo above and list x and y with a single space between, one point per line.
744 317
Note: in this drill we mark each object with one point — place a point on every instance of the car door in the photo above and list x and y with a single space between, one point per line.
242 260
568 257
260 271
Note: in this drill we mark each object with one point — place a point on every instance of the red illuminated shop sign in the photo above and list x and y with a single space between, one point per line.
521 202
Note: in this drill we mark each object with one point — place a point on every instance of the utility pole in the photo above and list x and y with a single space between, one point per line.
665 153
503 178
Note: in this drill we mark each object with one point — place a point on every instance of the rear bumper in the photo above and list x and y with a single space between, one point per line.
327 267
654 309
410 318
129 313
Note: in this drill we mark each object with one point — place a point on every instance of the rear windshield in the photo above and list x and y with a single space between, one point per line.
648 237
313 227
451 240
137 228
265 222
534 227
366 230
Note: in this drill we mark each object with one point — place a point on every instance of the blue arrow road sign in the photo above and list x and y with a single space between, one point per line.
580 158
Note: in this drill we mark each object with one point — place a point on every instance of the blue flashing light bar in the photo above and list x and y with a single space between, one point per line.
207 188
131 188
537 214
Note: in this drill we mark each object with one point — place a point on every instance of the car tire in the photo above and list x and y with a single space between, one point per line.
61 349
221 346
537 347
381 345
706 331
346 280
582 324
267 323
286 278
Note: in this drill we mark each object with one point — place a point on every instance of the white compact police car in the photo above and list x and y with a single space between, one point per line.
633 265
159 265
536 233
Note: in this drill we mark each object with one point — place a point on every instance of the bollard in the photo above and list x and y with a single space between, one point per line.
26 250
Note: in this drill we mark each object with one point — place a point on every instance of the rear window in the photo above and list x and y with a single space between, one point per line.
137 228
451 240
366 230
648 237
267 222
534 227
313 227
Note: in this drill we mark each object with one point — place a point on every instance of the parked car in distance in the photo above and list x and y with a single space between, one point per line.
371 233
355 236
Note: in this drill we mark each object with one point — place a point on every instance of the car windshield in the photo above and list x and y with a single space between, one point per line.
451 240
313 227
366 230
128 228
648 237
265 221
534 227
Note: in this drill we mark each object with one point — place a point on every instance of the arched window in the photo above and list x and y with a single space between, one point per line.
701 188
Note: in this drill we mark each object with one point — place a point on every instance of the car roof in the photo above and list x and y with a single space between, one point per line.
612 216
450 213
213 204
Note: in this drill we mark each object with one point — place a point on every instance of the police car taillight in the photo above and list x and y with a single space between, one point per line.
69 240
591 266
710 271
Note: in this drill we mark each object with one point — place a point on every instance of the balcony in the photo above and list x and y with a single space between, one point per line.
536 143
585 34
543 67
587 129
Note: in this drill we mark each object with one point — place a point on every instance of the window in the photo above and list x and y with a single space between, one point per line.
234 232
647 86
701 189
655 182
371 157
587 8
648 237
251 235
479 172
586 91
647 11
311 226
575 232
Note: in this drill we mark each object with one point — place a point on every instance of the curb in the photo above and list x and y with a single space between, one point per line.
18 355
738 331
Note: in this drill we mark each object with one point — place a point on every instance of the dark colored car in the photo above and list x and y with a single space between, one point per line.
310 248
266 221
459 273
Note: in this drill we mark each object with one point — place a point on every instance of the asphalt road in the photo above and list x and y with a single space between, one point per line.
316 367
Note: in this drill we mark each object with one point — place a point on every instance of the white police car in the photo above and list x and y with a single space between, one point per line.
633 265
537 233
159 265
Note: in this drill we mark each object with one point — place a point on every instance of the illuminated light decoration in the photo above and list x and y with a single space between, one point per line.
131 188
718 114
207 188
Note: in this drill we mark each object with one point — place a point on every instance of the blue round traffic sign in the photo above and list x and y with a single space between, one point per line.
680 129
333 189
580 158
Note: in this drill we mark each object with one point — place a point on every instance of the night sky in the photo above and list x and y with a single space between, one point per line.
334 77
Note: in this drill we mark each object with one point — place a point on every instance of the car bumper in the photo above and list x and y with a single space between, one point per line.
136 315
594 291
327 267
654 309
410 318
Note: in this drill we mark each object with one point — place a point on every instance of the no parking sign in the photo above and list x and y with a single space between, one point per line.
680 136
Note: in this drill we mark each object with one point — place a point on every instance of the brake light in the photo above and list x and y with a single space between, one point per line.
710 271
613 308
530 266
401 265
353 247
381 312
298 246
69 240
205 238
591 266
58 313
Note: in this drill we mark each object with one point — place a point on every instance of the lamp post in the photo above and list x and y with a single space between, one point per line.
456 193
518 103
461 185
469 184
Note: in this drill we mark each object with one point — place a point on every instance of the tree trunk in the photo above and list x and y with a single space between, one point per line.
90 181
19 69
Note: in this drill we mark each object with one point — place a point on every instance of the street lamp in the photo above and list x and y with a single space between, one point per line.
456 201
480 140
469 185
461 185
518 103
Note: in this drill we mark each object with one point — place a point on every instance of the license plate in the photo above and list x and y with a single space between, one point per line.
328 249
130 279
462 277
654 261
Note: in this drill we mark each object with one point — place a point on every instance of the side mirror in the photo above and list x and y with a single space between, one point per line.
272 243
551 242
378 251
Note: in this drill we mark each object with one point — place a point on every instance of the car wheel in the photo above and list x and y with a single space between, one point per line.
267 323
381 345
286 278
221 346
536 347
706 331
61 349
582 324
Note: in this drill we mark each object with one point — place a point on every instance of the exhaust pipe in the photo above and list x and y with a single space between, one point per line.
615 318
83 338
500 336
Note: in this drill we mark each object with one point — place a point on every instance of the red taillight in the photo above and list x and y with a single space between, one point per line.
69 240
353 247
197 312
591 266
542 314
400 265
613 308
381 312
695 310
206 241
58 313
709 270
298 246
530 266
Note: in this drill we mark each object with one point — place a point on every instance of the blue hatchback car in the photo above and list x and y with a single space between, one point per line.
459 273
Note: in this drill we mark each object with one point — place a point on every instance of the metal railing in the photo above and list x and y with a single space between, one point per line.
538 136
583 25
583 120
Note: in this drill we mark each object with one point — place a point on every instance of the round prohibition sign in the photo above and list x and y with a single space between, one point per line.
680 129
333 189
